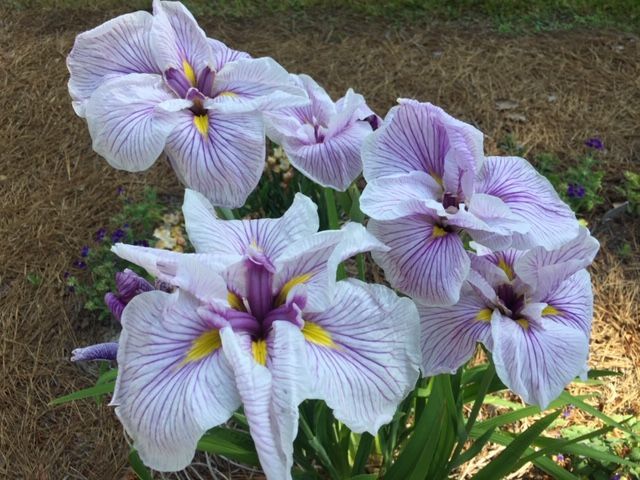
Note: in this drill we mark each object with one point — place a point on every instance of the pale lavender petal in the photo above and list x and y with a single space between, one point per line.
220 156
537 361
543 270
399 195
450 334
115 48
424 261
373 358
313 261
246 85
232 237
530 196
500 221
99 351
165 400
130 119
177 38
571 302
223 54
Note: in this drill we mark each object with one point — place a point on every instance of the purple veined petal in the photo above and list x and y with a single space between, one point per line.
450 334
129 284
232 237
395 196
173 382
363 353
348 109
424 261
114 304
538 361
246 85
115 48
496 268
498 217
271 395
313 262
530 196
219 155
177 40
130 119
99 351
223 54
543 270
334 162
571 302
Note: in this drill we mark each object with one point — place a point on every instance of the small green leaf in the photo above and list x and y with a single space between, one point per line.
90 392
232 444
138 467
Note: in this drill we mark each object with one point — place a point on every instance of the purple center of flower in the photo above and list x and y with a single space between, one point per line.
197 88
512 302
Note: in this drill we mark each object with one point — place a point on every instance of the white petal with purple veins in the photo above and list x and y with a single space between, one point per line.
223 54
115 48
530 196
220 156
166 399
130 119
450 334
371 358
424 261
571 302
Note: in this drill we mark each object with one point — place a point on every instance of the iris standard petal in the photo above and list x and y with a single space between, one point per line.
220 156
177 40
537 361
450 334
571 302
130 119
223 54
424 261
530 196
173 381
246 85
232 237
363 353
544 269
312 262
115 48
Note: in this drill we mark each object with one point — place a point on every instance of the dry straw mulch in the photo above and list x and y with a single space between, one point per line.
55 192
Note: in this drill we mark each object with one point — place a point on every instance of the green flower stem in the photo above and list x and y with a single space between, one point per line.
317 446
226 213
332 220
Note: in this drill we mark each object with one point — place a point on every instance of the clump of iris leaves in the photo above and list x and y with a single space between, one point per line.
438 428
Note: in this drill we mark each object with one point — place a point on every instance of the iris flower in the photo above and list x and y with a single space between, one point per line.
429 182
323 139
532 310
152 83
258 319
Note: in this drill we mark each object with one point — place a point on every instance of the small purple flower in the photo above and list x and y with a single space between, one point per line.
566 412
575 190
120 190
125 226
595 143
81 264
100 234
117 235
323 139
84 252
141 243
560 458
66 275
148 83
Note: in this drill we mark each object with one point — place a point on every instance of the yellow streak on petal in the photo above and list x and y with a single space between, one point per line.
235 302
550 310
259 350
227 94
583 222
523 323
438 232
300 279
202 124
314 333
484 315
203 346
506 268
189 73
437 178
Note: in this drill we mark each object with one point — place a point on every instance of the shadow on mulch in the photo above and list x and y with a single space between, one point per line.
55 192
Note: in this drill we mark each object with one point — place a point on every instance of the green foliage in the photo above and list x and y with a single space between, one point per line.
631 191
94 271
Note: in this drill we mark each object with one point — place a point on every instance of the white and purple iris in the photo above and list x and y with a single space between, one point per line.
429 183
532 310
152 83
257 319
323 139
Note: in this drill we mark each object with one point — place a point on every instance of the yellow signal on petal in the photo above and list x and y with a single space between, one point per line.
259 351
484 315
203 346
438 232
506 268
314 333
227 94
189 73
284 292
202 124
523 323
235 302
550 310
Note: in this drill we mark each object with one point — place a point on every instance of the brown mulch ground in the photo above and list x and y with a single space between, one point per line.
55 192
